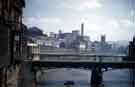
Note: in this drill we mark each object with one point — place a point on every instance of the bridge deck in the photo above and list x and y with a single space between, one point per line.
67 64
84 61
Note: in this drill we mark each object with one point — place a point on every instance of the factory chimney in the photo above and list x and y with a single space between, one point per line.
82 30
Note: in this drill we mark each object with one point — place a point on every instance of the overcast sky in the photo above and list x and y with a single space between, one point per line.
114 18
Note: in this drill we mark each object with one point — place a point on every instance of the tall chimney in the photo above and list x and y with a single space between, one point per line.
82 30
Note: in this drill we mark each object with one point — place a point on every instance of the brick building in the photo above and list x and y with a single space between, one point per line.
10 45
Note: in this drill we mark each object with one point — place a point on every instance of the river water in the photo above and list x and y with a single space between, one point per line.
57 77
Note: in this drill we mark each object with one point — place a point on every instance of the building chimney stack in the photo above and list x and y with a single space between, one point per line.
82 30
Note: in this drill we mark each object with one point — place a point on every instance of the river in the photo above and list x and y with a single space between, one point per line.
81 77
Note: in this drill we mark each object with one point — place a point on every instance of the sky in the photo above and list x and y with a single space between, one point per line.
114 18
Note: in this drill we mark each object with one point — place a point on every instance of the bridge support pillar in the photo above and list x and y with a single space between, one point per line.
133 77
96 77
26 76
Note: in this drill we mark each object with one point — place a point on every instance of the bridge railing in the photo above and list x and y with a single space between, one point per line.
81 58
71 51
58 51
60 54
